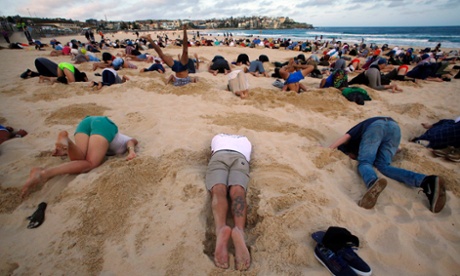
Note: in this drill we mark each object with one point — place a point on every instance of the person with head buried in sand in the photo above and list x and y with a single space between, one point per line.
95 137
180 67
293 74
374 142
227 178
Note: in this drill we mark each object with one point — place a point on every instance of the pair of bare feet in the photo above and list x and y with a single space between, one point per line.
242 94
42 79
38 175
242 256
99 85
215 72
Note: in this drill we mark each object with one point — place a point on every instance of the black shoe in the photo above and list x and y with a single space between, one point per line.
25 75
370 197
434 188
457 76
37 218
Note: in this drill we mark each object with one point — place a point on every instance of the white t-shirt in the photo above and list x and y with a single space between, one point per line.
118 144
237 143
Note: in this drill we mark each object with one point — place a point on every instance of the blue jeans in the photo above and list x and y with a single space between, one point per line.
378 145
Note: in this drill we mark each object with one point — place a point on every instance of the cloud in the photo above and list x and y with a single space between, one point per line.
316 12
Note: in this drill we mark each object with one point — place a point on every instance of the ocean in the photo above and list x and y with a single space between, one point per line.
420 37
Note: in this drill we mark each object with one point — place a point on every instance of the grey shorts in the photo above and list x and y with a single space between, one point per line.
228 168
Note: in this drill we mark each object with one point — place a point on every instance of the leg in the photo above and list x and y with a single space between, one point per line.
69 75
387 150
239 211
368 149
97 148
302 87
284 72
171 79
223 231
184 56
62 143
197 61
167 59
307 70
59 72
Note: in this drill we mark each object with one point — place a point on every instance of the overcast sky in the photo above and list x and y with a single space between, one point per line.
316 12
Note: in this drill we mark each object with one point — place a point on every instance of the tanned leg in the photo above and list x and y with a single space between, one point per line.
184 56
223 231
239 210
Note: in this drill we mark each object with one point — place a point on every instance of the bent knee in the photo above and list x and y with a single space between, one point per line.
237 190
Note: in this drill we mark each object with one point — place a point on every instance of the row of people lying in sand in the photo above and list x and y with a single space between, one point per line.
292 72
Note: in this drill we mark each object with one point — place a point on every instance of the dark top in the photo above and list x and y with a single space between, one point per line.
356 133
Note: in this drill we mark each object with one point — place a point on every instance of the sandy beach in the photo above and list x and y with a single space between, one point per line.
152 215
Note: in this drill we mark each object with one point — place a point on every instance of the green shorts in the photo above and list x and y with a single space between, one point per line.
68 66
99 125
228 168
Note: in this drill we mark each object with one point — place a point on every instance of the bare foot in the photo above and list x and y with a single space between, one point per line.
41 79
426 125
242 256
62 141
244 94
221 251
35 177
59 152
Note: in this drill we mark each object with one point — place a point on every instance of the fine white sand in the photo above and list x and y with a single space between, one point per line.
152 216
